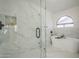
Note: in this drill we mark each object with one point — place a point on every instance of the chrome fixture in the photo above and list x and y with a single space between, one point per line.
1 25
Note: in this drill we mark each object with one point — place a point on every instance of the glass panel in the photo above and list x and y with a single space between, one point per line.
65 25
18 36
69 25
60 26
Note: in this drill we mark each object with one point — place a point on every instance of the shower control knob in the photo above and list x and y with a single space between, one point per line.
1 25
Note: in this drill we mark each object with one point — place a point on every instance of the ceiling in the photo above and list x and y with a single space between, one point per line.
55 6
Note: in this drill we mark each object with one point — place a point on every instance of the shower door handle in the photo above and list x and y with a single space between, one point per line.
37 32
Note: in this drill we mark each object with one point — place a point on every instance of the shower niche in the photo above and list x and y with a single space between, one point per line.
10 20
7 22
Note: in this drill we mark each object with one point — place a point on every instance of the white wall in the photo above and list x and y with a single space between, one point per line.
69 32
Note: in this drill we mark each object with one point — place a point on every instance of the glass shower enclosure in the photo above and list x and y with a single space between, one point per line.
23 32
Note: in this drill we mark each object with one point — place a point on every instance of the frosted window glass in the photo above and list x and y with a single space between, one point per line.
65 22
60 26
69 25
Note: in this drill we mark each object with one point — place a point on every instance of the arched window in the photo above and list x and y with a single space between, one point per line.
65 22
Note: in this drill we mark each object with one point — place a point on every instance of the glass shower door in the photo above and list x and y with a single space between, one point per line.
21 34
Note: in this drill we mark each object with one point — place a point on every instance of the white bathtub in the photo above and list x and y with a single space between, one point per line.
66 44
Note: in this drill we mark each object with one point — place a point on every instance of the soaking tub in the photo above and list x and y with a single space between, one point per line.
66 44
